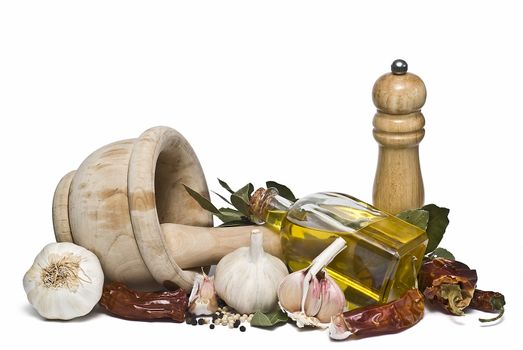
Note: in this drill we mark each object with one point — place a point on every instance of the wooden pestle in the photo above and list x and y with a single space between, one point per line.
398 129
192 246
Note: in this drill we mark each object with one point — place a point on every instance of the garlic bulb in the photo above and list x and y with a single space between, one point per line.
202 300
65 281
247 279
310 296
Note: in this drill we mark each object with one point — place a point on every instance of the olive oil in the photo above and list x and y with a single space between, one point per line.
383 253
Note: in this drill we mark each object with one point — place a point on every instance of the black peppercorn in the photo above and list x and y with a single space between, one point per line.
236 324
211 326
242 329
201 321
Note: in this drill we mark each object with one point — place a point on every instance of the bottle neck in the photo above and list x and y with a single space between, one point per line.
266 203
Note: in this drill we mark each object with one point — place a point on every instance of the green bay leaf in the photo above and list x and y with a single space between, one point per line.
229 214
441 253
283 190
222 197
226 186
244 193
240 204
202 201
416 217
241 199
438 222
271 319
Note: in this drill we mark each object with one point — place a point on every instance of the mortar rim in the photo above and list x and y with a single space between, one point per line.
143 207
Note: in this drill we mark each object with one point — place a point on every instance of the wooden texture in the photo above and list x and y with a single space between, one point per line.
61 225
199 246
398 129
161 162
111 207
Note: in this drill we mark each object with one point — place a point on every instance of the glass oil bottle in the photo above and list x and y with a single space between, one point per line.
383 253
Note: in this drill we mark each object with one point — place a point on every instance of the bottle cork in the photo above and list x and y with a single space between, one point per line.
398 129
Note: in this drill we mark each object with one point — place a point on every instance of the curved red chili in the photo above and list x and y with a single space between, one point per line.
392 317
488 302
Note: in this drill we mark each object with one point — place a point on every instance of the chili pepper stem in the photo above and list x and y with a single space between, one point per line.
488 301
485 320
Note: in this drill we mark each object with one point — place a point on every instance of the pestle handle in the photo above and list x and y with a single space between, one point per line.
398 129
192 246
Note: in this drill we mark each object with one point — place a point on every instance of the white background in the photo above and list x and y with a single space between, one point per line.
263 90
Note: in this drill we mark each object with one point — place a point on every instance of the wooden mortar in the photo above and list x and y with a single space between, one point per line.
126 203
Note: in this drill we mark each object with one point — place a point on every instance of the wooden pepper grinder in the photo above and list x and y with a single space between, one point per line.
398 128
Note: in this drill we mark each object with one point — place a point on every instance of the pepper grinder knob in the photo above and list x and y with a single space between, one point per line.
399 66
398 129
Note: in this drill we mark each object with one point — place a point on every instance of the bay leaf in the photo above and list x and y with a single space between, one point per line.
441 253
226 186
245 193
202 201
416 217
222 197
438 222
241 199
271 319
229 214
283 190
240 204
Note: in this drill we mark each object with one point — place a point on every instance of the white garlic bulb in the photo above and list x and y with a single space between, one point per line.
310 296
247 279
65 281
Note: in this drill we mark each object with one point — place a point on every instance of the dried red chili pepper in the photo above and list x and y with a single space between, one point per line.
392 317
488 302
141 306
449 283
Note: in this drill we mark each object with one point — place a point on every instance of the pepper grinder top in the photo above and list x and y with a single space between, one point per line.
398 129
399 92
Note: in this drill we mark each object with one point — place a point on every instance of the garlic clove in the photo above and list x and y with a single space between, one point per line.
207 288
290 291
203 300
333 299
313 300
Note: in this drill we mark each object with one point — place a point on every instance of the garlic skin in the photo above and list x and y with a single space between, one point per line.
310 296
65 281
338 328
202 300
248 278
292 285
